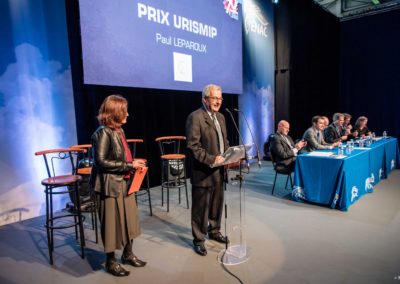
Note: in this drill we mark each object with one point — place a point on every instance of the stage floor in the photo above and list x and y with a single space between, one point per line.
288 242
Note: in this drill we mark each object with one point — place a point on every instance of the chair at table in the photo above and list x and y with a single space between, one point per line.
144 189
88 197
280 169
173 168
55 160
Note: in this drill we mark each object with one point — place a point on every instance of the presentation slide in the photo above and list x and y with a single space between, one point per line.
175 44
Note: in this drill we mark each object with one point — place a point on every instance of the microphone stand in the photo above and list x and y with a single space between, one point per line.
240 137
252 136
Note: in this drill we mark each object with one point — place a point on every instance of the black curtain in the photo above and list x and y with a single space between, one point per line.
370 70
283 45
325 66
307 63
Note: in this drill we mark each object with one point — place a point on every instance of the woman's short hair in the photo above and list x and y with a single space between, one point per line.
113 111
359 120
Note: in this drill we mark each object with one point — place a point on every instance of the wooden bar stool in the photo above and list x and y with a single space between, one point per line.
53 186
173 167
88 197
146 188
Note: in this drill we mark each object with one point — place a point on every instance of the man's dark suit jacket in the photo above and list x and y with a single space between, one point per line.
282 152
202 143
331 135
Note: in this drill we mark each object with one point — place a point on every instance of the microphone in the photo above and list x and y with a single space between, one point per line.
240 137
252 136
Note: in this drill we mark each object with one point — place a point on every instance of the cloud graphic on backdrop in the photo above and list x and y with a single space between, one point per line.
36 113
258 105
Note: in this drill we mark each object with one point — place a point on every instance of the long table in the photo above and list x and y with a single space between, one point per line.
337 181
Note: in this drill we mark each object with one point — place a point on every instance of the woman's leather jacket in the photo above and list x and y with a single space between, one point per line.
109 167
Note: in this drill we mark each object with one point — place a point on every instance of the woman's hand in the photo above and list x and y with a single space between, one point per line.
138 163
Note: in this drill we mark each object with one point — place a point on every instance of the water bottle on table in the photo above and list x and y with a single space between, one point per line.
340 150
348 148
384 134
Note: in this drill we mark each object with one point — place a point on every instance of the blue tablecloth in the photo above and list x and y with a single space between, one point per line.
339 182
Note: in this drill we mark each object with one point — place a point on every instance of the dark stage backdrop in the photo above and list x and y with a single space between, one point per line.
370 70
152 112
307 63
325 66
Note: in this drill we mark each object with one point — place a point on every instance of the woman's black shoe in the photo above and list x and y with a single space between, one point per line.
133 260
116 269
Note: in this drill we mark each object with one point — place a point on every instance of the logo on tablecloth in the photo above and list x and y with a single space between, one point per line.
392 165
369 182
335 200
354 193
298 193
381 174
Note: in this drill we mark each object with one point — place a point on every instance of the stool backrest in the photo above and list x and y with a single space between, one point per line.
60 161
87 147
133 143
170 144
85 159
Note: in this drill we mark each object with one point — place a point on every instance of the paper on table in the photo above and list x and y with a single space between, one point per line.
361 148
320 154
339 156
140 173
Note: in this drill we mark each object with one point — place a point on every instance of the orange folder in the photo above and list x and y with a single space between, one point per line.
140 173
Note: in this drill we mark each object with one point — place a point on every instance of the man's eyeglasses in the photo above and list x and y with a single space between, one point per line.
216 99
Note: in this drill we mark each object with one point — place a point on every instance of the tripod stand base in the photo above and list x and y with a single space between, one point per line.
236 254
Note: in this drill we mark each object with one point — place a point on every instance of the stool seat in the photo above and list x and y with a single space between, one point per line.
61 180
173 156
84 171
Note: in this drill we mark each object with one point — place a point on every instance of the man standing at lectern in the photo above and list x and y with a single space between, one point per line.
206 141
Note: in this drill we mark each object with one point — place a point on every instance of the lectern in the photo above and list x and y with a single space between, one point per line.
235 251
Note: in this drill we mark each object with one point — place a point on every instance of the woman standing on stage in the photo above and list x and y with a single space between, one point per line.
112 174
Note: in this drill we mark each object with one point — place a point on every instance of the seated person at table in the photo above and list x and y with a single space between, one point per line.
335 131
282 147
315 137
346 123
348 127
326 121
361 128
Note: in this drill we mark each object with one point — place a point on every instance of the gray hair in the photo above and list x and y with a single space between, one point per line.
337 116
207 90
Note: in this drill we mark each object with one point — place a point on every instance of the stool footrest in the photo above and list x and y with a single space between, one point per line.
173 183
69 225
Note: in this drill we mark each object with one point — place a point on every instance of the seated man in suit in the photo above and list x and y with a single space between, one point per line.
282 147
315 137
335 131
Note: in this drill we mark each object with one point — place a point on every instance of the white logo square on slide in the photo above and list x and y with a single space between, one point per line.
182 67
